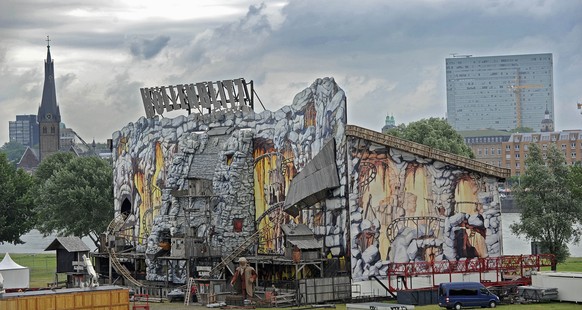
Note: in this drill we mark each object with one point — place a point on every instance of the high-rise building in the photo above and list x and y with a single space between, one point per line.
24 130
49 115
499 92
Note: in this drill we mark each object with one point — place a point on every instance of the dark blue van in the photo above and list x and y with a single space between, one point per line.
456 295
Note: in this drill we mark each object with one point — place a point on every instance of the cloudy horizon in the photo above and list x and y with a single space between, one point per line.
388 56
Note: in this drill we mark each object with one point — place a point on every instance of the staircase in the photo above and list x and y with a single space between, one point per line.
236 252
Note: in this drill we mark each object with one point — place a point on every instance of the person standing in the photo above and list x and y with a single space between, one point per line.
244 278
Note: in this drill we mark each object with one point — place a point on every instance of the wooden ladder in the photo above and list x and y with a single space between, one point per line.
188 292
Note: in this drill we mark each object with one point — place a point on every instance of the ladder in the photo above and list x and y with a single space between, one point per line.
241 248
188 292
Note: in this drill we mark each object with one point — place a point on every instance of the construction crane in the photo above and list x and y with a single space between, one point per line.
516 88
90 148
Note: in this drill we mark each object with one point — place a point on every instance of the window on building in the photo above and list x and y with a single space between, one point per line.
563 146
486 151
526 147
499 151
508 148
478 151
573 145
237 224
573 154
517 146
544 146
516 155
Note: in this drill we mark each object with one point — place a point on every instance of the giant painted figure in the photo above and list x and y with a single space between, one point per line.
409 208
250 165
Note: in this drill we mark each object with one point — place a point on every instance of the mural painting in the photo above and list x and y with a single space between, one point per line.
248 158
404 207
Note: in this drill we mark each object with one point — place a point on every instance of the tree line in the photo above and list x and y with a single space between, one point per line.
67 195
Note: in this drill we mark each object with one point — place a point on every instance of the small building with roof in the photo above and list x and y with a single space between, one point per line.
70 251
301 240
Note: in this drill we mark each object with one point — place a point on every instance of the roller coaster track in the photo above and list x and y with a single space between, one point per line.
276 206
121 269
367 174
112 229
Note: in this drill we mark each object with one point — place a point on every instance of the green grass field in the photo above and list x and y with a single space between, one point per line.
42 267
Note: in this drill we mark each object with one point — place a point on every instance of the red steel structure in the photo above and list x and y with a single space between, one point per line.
508 269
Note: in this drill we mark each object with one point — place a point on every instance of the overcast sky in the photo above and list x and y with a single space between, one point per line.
388 56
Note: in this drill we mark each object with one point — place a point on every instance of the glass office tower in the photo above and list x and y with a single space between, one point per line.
499 92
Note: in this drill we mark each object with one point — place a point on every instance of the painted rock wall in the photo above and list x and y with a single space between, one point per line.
404 208
250 165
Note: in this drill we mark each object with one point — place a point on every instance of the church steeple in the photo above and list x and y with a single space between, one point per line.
547 123
49 114
49 109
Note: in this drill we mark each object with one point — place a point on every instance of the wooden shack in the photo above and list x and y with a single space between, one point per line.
70 251
300 242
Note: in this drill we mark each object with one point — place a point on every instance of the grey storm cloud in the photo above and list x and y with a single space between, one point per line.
148 48
123 87
239 42
388 56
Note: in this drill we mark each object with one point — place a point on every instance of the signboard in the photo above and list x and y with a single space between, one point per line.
201 98
203 271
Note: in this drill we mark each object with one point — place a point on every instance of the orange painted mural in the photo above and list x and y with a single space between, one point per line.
408 208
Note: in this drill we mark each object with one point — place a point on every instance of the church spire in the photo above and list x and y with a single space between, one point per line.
49 115
49 109
547 123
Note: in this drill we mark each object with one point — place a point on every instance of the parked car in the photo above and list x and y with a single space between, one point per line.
456 295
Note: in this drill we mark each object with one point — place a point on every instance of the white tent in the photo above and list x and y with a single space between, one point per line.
15 276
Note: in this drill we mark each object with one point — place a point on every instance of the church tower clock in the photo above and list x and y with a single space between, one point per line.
49 115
